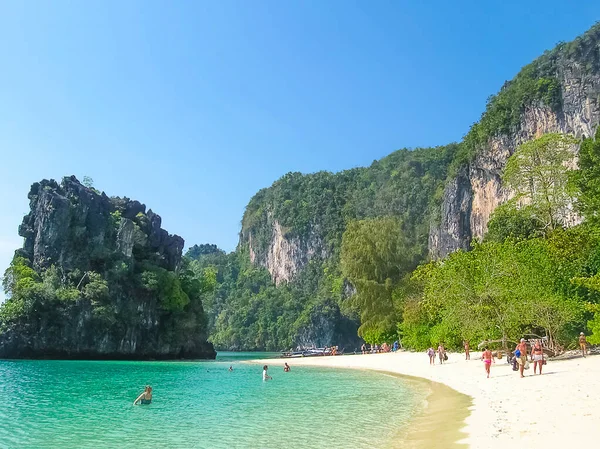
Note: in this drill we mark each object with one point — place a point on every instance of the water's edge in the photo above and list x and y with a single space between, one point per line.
440 421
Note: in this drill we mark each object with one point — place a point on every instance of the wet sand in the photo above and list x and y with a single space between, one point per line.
439 423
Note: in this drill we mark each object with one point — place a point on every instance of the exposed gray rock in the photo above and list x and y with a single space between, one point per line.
286 255
79 230
470 199
72 225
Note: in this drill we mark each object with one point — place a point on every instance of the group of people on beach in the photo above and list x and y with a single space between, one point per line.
441 353
375 349
520 355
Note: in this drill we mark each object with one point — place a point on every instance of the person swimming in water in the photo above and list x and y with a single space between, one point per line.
286 368
145 398
230 367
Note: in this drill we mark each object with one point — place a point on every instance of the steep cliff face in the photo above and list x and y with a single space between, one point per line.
107 282
558 92
73 226
286 255
471 197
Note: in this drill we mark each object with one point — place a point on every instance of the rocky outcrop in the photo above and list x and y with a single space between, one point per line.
454 229
286 255
126 296
477 190
73 226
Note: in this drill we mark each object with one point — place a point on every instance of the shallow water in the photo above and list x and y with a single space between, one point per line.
85 404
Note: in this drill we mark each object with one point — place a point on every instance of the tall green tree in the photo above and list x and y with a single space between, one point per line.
538 172
375 255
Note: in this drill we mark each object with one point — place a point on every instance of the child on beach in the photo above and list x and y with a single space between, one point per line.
488 359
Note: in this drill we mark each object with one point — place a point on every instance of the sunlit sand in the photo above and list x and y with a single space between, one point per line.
556 409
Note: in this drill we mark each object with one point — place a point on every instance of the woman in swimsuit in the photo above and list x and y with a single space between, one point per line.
537 355
146 397
431 354
488 359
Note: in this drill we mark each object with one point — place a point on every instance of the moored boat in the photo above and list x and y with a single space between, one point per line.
314 352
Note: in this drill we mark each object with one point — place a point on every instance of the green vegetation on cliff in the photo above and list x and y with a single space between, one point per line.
536 83
98 278
538 279
531 275
333 226
404 184
249 312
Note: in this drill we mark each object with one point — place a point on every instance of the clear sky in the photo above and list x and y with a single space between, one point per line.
192 106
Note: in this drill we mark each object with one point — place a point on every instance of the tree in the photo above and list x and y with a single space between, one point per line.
586 179
517 223
538 173
197 251
375 255
495 291
88 182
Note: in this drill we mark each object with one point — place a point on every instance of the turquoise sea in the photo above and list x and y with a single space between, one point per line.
88 404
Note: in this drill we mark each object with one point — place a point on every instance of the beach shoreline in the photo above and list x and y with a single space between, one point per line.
557 408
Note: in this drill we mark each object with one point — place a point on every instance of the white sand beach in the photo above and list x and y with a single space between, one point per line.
558 409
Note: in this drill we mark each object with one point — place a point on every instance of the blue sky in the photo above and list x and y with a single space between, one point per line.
193 106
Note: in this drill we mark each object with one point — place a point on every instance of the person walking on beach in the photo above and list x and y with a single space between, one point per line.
537 355
488 359
441 353
431 354
467 350
521 355
363 348
582 344
145 398
266 374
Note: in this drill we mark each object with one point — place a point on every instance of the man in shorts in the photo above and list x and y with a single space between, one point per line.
522 355
582 343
